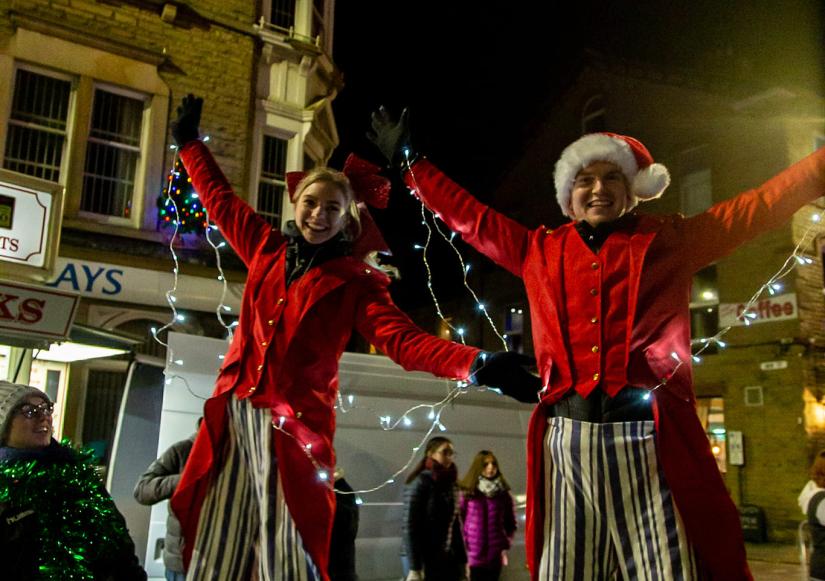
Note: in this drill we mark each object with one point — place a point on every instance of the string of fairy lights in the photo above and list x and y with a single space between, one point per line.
434 410
386 422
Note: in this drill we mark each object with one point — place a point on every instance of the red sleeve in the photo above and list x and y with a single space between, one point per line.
503 240
384 325
245 230
718 231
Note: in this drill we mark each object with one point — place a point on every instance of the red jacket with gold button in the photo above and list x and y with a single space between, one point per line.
285 353
621 317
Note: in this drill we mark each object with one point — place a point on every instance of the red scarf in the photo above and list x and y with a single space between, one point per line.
440 473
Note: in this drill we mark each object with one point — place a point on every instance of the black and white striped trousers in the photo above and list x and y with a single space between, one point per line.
245 530
609 512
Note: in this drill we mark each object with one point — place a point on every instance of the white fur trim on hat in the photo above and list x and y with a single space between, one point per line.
651 182
646 183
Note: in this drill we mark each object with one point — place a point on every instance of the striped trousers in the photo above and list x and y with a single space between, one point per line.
245 530
609 512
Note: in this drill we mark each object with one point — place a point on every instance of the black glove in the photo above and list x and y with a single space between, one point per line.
185 127
506 371
392 138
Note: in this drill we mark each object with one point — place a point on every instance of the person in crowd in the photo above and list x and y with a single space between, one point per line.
432 541
488 517
608 295
157 484
256 496
344 531
57 521
810 501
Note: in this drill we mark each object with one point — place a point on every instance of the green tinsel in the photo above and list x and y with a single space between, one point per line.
78 521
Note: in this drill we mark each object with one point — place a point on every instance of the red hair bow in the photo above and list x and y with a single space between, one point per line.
369 187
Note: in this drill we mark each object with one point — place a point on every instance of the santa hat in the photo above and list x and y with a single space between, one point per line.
648 180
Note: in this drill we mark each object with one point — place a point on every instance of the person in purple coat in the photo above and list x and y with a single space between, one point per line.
489 517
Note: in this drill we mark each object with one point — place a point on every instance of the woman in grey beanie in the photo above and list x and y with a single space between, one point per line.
57 521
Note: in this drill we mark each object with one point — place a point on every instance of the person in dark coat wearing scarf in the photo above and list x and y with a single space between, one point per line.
157 484
488 517
432 539
57 521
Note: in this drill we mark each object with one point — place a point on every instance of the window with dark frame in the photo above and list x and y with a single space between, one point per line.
112 154
514 328
318 18
37 126
272 180
282 13
704 305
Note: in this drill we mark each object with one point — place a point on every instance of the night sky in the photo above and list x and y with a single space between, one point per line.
476 78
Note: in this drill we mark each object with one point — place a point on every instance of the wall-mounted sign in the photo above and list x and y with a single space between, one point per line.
736 449
30 216
115 282
773 365
767 310
34 312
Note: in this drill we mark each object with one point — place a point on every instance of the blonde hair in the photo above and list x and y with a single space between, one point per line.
352 229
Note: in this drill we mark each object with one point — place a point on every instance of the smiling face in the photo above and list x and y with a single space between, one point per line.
600 194
34 432
320 212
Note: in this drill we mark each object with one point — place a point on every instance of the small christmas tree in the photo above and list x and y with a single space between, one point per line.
179 192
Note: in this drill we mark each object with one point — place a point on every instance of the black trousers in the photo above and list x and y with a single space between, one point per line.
489 573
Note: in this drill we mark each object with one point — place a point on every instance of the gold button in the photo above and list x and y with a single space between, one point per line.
280 300
595 377
270 322
263 343
594 265
548 231
595 348
594 291
594 320
367 270
252 389
298 414
260 367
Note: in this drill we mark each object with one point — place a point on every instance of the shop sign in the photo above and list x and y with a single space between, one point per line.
767 310
29 214
36 312
116 282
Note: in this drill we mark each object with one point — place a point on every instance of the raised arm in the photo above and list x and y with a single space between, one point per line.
503 240
384 325
388 328
245 230
718 231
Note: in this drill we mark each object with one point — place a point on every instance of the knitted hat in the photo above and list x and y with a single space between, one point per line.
647 179
11 394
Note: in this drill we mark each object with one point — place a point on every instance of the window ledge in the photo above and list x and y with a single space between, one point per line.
114 230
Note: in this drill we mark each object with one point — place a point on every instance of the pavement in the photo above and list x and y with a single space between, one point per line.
775 562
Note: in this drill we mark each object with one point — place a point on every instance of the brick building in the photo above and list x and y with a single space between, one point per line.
87 90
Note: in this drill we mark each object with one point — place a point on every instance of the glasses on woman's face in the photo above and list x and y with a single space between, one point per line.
448 452
30 411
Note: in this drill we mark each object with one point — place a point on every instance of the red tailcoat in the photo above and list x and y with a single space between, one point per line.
591 345
285 353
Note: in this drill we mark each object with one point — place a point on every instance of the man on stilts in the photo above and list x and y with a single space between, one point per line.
621 478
